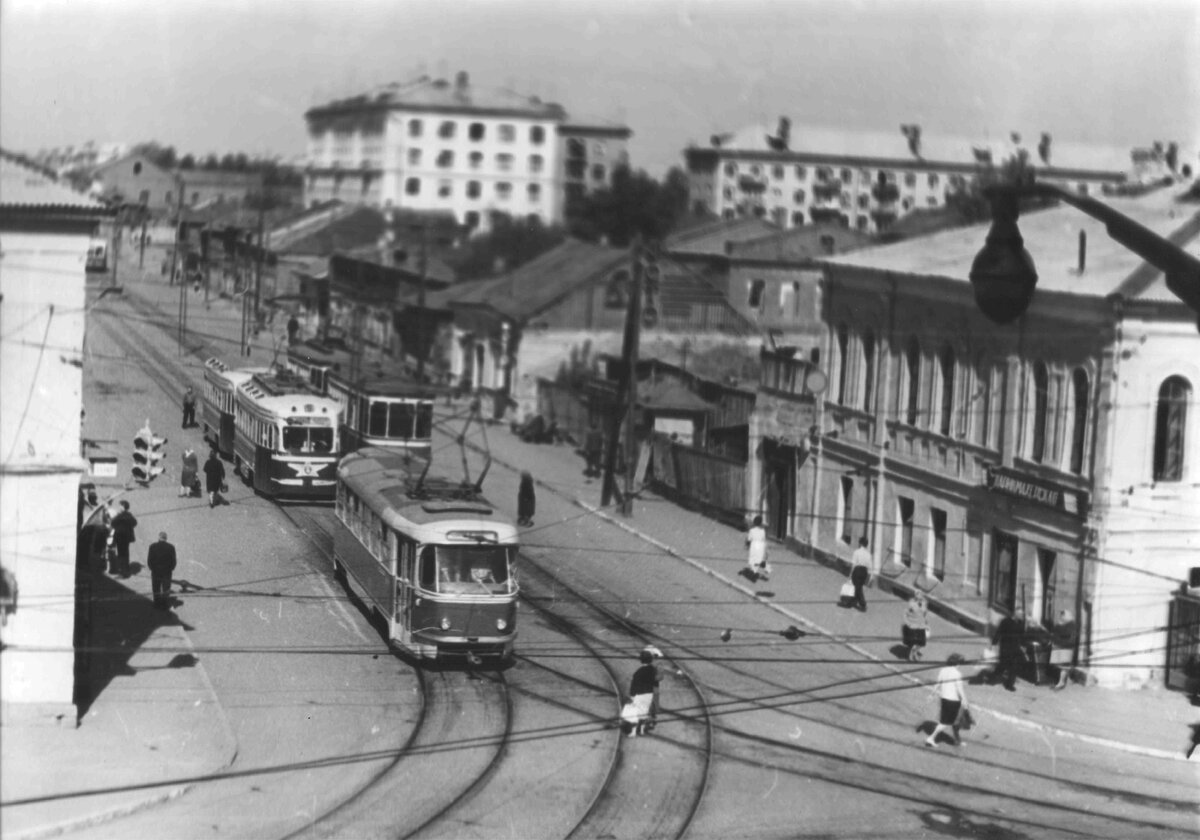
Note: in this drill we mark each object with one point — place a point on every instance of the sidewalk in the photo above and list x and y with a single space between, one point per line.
1148 722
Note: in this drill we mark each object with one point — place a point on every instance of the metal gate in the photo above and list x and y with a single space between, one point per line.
1183 644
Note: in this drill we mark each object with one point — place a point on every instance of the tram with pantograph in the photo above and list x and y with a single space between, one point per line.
431 558
217 403
286 440
381 405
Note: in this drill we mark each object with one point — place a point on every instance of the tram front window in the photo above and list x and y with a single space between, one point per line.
400 421
307 440
466 570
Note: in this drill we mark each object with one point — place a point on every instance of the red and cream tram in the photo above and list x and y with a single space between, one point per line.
287 440
217 402
432 559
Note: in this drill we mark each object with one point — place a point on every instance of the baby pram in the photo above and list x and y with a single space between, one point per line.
914 639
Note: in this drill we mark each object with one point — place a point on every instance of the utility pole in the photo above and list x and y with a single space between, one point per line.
116 244
421 346
258 264
142 241
626 397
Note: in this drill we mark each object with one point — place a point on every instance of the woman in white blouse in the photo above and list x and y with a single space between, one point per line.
953 697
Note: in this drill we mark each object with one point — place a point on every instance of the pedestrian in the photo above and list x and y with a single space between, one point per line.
189 408
916 626
187 475
1063 638
643 691
214 478
593 450
756 551
860 573
123 533
1009 640
526 500
953 697
161 560
293 329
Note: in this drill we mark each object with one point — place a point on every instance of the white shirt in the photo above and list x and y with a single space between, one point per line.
950 684
861 557
756 538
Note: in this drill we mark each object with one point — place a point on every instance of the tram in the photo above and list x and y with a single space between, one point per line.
286 440
380 407
431 558
217 401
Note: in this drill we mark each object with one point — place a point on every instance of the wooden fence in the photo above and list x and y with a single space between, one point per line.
701 479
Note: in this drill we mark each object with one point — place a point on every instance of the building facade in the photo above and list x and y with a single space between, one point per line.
432 144
867 180
45 231
1046 465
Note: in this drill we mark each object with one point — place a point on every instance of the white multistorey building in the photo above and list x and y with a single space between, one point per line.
45 231
437 145
1047 465
802 174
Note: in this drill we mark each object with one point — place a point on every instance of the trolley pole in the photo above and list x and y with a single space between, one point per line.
626 397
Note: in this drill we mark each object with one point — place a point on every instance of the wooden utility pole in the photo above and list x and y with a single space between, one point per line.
258 264
424 266
624 405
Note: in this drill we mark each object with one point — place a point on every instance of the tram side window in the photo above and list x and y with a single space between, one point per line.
377 419
427 570
424 421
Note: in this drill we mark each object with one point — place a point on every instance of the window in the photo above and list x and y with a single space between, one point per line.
797 219
779 216
755 170
445 159
727 192
731 169
912 370
537 135
1004 572
846 176
576 148
412 186
868 371
137 167
933 179
446 130
504 162
504 190
476 131
599 171
937 521
1041 411
983 400
864 201
598 150
841 349
1044 595
414 128
536 163
801 173
910 179
864 176
862 222
471 219
617 291
168 197
475 160
507 133
1079 415
474 189
445 188
798 196
195 198
777 172
414 157
946 370
905 510
1170 428
796 299
144 197
535 193
757 287
845 506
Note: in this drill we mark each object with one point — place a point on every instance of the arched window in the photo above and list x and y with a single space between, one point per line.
1041 411
868 371
843 358
912 369
982 399
946 370
1170 427
1079 414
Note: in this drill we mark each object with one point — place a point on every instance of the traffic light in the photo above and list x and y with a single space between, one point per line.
651 275
147 454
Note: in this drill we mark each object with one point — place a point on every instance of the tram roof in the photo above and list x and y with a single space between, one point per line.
214 368
296 403
387 384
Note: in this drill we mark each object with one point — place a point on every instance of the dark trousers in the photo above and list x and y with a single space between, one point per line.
161 585
859 578
189 415
593 464
1008 667
120 565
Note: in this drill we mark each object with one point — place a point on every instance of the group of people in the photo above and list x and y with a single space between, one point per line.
214 476
118 531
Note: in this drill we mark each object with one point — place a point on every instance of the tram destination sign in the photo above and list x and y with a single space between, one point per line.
1039 491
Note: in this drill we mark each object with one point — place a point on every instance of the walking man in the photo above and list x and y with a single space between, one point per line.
214 477
756 551
1009 641
189 408
123 525
161 560
860 573
593 450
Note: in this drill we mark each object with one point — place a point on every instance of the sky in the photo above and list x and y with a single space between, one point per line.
221 76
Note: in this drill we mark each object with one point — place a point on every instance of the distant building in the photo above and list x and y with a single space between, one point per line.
865 180
432 144
45 231
85 157
204 186
136 179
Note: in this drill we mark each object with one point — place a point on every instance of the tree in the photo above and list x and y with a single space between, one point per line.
158 154
509 243
210 162
633 204
188 161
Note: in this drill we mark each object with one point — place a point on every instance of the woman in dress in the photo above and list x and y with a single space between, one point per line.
953 700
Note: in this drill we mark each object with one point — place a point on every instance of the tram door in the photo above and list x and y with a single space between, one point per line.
402 609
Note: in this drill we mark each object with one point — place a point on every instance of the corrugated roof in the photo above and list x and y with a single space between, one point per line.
1052 239
24 184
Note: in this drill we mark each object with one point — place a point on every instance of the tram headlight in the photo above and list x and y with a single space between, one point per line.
501 624
445 623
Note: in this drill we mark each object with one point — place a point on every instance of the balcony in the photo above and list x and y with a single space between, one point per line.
827 191
886 193
751 185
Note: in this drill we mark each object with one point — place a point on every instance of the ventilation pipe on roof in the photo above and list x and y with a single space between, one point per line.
1082 250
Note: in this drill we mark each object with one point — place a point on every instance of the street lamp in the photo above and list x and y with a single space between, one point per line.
1003 275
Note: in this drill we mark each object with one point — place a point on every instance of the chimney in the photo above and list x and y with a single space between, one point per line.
461 81
784 132
1082 250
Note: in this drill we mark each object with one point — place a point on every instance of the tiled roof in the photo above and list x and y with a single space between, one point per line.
459 95
934 148
26 185
1052 239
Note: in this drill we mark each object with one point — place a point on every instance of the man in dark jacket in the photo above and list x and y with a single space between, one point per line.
214 477
122 525
593 450
161 560
1009 641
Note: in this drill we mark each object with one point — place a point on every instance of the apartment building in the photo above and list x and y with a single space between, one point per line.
433 144
866 180
1045 465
